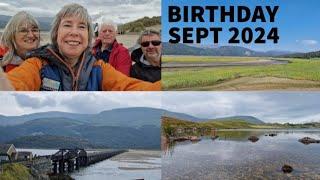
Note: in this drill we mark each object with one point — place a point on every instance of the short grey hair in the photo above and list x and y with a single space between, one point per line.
69 11
107 22
148 32
8 37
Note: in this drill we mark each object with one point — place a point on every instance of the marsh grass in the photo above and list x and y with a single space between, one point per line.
297 69
15 171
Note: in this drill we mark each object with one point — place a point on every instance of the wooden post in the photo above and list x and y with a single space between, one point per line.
55 168
77 163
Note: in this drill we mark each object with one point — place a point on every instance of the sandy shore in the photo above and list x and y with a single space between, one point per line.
139 160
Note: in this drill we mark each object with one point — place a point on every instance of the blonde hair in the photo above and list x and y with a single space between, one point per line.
8 37
68 11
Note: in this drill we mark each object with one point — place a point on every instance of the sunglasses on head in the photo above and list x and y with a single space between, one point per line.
147 43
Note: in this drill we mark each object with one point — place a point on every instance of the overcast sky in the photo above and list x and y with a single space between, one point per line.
120 11
94 102
268 106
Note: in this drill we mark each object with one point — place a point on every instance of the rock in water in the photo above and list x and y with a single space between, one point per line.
253 138
308 140
272 134
286 168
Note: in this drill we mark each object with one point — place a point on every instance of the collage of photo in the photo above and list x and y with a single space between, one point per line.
216 90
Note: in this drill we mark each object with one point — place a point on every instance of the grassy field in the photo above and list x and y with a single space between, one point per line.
194 79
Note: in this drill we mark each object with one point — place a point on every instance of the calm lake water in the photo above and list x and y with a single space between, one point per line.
233 156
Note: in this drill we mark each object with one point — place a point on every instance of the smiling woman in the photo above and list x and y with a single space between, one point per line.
67 64
20 35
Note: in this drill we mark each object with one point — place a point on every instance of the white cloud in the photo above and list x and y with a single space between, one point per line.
121 11
77 102
267 106
294 107
307 42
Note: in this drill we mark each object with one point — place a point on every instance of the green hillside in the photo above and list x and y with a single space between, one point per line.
14 171
308 55
170 125
139 24
50 142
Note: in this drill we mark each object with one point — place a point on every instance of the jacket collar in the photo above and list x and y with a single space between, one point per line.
52 56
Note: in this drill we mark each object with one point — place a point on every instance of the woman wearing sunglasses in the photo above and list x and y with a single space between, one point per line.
20 36
147 58
68 64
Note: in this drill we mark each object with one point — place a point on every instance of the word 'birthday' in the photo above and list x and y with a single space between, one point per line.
197 16
234 13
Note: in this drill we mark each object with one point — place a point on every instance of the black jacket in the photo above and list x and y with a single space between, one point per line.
142 71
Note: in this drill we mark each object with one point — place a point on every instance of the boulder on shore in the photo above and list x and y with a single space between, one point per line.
194 138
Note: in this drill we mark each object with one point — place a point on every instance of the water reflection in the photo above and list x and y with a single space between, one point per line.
232 155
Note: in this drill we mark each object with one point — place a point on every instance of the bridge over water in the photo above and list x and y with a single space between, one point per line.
71 159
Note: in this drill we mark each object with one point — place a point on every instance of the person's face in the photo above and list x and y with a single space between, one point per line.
153 50
107 34
27 38
72 37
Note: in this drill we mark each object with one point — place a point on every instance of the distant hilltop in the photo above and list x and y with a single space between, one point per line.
130 27
141 24
234 122
45 22
309 55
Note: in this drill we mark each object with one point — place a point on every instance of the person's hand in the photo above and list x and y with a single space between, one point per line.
5 84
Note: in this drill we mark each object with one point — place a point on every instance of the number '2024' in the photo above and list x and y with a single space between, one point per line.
247 35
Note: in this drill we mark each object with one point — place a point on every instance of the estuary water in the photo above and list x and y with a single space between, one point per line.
134 164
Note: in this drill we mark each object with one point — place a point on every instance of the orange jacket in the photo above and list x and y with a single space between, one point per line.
26 77
8 67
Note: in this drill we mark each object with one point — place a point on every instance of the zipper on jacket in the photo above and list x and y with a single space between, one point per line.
79 72
74 79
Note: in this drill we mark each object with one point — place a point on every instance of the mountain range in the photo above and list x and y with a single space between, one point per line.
118 128
212 50
129 117
137 127
309 55
45 22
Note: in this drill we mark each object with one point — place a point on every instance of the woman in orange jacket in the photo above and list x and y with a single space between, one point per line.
68 64
20 35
